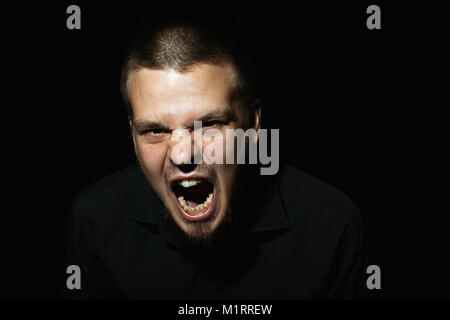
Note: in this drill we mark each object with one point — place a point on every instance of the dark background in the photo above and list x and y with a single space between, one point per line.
357 108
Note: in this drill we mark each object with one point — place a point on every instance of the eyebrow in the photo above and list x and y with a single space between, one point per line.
144 125
223 115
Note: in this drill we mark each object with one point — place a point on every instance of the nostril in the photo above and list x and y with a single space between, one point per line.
186 167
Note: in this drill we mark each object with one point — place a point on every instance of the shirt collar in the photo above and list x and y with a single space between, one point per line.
270 215
146 204
264 203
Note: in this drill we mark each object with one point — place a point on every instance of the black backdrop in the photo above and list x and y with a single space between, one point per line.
355 108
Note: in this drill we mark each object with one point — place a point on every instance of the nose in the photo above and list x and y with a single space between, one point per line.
184 151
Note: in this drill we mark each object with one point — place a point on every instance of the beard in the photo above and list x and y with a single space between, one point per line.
199 235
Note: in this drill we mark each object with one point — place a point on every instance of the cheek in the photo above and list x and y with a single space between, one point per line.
227 176
151 157
219 144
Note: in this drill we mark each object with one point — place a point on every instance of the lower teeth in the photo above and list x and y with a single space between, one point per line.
199 207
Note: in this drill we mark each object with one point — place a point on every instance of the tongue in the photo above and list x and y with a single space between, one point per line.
193 204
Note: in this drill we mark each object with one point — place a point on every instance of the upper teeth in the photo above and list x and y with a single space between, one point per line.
189 182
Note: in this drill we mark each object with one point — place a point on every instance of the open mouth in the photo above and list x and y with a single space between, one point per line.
195 198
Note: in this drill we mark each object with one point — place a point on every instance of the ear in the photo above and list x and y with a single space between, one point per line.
131 123
132 133
131 127
255 117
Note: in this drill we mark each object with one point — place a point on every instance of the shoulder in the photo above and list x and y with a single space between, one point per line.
308 198
108 195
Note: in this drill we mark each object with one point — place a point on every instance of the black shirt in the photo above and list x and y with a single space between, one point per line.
298 238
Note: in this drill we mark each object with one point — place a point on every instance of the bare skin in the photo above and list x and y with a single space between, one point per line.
165 102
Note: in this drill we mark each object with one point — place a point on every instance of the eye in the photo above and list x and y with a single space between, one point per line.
155 131
211 123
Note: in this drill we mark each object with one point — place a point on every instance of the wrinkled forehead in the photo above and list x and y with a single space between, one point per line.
156 94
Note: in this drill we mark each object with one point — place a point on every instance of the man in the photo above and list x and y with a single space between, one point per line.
171 227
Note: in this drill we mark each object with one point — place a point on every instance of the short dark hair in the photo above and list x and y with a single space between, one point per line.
180 46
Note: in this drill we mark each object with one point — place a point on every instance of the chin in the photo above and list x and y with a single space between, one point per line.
200 233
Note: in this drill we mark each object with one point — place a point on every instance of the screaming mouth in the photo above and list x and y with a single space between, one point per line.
195 198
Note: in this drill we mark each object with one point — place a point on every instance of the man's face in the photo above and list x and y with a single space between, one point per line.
165 105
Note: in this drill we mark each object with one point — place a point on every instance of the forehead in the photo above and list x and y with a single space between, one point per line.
155 94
